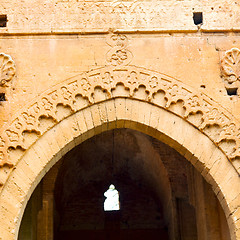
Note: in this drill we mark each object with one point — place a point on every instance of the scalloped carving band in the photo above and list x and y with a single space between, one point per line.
80 91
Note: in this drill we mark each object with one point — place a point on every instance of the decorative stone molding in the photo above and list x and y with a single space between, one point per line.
101 84
231 70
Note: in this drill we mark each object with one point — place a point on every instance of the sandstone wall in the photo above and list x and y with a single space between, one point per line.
46 43
87 16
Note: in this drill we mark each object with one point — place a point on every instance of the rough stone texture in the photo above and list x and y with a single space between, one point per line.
93 16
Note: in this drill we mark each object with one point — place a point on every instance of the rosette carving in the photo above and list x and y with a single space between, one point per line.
7 68
231 70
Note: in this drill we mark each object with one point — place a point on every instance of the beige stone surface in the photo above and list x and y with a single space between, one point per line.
194 60
93 16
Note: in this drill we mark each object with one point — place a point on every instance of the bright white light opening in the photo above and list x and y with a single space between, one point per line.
112 199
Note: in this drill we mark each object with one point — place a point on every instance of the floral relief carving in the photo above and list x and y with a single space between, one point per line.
85 84
153 82
118 55
230 66
107 79
227 132
7 68
13 136
47 105
193 105
67 95
29 119
133 79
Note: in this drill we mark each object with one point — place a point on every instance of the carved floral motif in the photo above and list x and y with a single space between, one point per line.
153 82
118 55
7 68
85 84
132 78
107 79
231 68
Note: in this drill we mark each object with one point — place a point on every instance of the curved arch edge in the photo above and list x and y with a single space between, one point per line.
120 113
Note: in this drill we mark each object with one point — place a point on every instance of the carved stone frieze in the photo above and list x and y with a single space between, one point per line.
92 16
230 65
7 68
78 92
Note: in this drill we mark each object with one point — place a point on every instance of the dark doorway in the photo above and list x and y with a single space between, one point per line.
161 195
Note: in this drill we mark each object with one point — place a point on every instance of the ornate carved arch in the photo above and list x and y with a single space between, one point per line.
53 109
117 112
101 84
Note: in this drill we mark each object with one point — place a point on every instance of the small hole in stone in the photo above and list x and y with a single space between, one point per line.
232 91
2 97
203 86
3 20
197 18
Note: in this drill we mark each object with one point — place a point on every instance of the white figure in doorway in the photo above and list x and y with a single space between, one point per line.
112 199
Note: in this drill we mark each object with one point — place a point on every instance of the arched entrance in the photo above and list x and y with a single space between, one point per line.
132 98
162 196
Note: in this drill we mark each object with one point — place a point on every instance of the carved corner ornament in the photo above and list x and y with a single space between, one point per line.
7 69
230 66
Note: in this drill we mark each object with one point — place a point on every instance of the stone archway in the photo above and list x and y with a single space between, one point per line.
117 97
